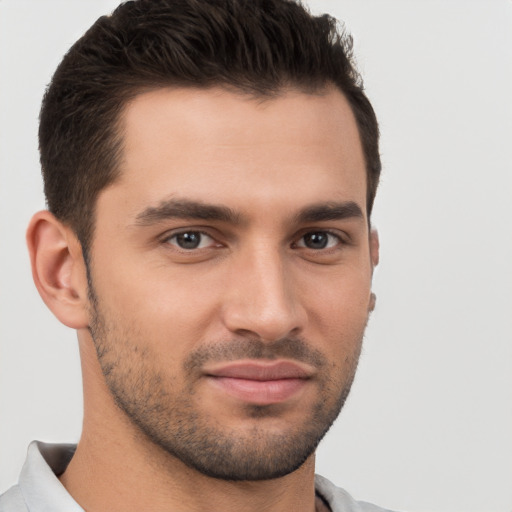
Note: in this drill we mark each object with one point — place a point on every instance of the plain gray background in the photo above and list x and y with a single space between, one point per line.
429 423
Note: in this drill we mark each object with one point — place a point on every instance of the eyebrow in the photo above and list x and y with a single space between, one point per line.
186 209
329 211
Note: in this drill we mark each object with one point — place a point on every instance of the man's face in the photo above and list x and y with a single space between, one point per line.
231 275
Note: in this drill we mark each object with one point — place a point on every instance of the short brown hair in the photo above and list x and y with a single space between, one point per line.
256 46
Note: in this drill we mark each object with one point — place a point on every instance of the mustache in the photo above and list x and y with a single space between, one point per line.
286 348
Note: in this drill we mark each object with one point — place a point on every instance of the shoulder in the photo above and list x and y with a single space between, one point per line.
340 500
12 501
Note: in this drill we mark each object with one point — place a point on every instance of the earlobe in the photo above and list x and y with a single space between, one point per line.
372 302
58 269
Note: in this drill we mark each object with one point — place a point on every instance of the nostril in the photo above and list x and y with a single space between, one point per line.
265 327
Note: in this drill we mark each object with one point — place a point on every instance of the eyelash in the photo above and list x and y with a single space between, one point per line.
340 241
168 239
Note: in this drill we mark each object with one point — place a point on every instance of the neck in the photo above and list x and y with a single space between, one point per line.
101 478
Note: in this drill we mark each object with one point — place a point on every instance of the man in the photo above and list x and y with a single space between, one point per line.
210 170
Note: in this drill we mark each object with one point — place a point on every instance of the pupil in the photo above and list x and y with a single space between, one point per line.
316 240
188 240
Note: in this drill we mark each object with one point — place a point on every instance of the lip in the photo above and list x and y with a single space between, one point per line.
259 382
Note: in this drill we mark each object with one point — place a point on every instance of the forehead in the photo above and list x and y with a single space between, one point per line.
226 147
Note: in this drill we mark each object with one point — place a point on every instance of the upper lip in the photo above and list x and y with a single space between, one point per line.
261 370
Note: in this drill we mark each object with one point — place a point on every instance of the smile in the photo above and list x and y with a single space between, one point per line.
260 383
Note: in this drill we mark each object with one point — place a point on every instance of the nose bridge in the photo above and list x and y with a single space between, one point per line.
262 299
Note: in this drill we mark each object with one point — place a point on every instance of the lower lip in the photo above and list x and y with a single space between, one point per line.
260 392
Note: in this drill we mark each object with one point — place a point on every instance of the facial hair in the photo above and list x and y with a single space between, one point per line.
166 412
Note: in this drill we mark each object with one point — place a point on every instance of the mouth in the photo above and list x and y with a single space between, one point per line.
260 382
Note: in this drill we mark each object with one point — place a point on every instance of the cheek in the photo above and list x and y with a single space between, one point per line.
339 312
165 305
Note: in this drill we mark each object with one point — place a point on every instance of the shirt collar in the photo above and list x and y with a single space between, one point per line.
38 482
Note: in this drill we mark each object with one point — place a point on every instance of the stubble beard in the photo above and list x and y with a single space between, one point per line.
170 419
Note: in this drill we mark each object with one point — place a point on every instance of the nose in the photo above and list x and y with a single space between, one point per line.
261 298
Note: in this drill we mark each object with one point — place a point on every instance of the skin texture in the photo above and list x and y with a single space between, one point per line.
260 289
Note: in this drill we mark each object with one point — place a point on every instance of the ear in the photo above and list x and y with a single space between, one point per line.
374 247
374 257
58 269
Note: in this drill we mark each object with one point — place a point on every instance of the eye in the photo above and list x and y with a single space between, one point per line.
318 240
189 240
